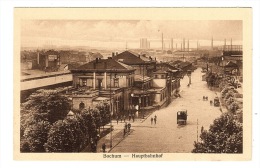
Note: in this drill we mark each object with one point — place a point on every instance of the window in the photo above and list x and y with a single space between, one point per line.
81 106
116 82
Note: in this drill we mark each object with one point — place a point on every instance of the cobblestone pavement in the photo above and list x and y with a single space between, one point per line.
166 136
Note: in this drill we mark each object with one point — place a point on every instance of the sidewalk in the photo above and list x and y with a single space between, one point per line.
118 132
117 135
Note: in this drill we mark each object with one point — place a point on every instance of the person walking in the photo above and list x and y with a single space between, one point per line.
129 127
151 120
125 126
155 120
124 132
117 118
129 116
124 118
104 147
133 117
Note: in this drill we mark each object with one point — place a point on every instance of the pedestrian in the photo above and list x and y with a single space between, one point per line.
124 118
129 127
125 126
133 117
117 118
104 147
97 139
152 121
121 118
93 146
129 116
203 98
155 117
124 132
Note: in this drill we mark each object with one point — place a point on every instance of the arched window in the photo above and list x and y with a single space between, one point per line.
81 106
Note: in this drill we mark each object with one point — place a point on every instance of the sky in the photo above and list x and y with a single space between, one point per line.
118 33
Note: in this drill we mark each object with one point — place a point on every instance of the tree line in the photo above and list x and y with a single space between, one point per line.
45 125
225 135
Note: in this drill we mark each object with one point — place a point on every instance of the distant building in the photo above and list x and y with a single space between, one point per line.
144 43
49 61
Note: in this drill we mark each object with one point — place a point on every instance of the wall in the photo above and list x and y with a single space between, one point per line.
37 83
157 98
86 100
159 83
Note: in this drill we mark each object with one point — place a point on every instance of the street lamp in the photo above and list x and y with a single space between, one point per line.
111 109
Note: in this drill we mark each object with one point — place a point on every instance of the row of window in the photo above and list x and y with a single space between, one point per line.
159 76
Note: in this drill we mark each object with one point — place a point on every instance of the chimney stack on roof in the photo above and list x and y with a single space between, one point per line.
113 54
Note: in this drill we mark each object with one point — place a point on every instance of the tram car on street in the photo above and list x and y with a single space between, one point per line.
216 102
182 117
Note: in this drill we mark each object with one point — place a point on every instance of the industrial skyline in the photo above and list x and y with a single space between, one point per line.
113 34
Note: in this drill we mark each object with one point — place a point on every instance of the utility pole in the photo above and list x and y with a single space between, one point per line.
110 112
162 42
197 130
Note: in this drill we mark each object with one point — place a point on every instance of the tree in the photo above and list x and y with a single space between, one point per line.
224 136
48 105
233 107
90 123
104 110
68 135
35 136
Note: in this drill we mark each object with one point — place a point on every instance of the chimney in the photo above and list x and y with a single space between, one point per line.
188 47
224 44
183 44
116 53
113 54
38 58
212 42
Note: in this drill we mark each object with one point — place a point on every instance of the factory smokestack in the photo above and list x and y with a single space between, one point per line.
162 42
183 44
212 42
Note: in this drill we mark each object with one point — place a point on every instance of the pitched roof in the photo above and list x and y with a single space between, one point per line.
169 66
159 71
96 55
130 58
104 65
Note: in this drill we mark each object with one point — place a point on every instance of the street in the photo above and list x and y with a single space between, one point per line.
166 136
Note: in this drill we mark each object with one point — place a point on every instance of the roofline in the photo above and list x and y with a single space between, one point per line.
141 63
101 70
